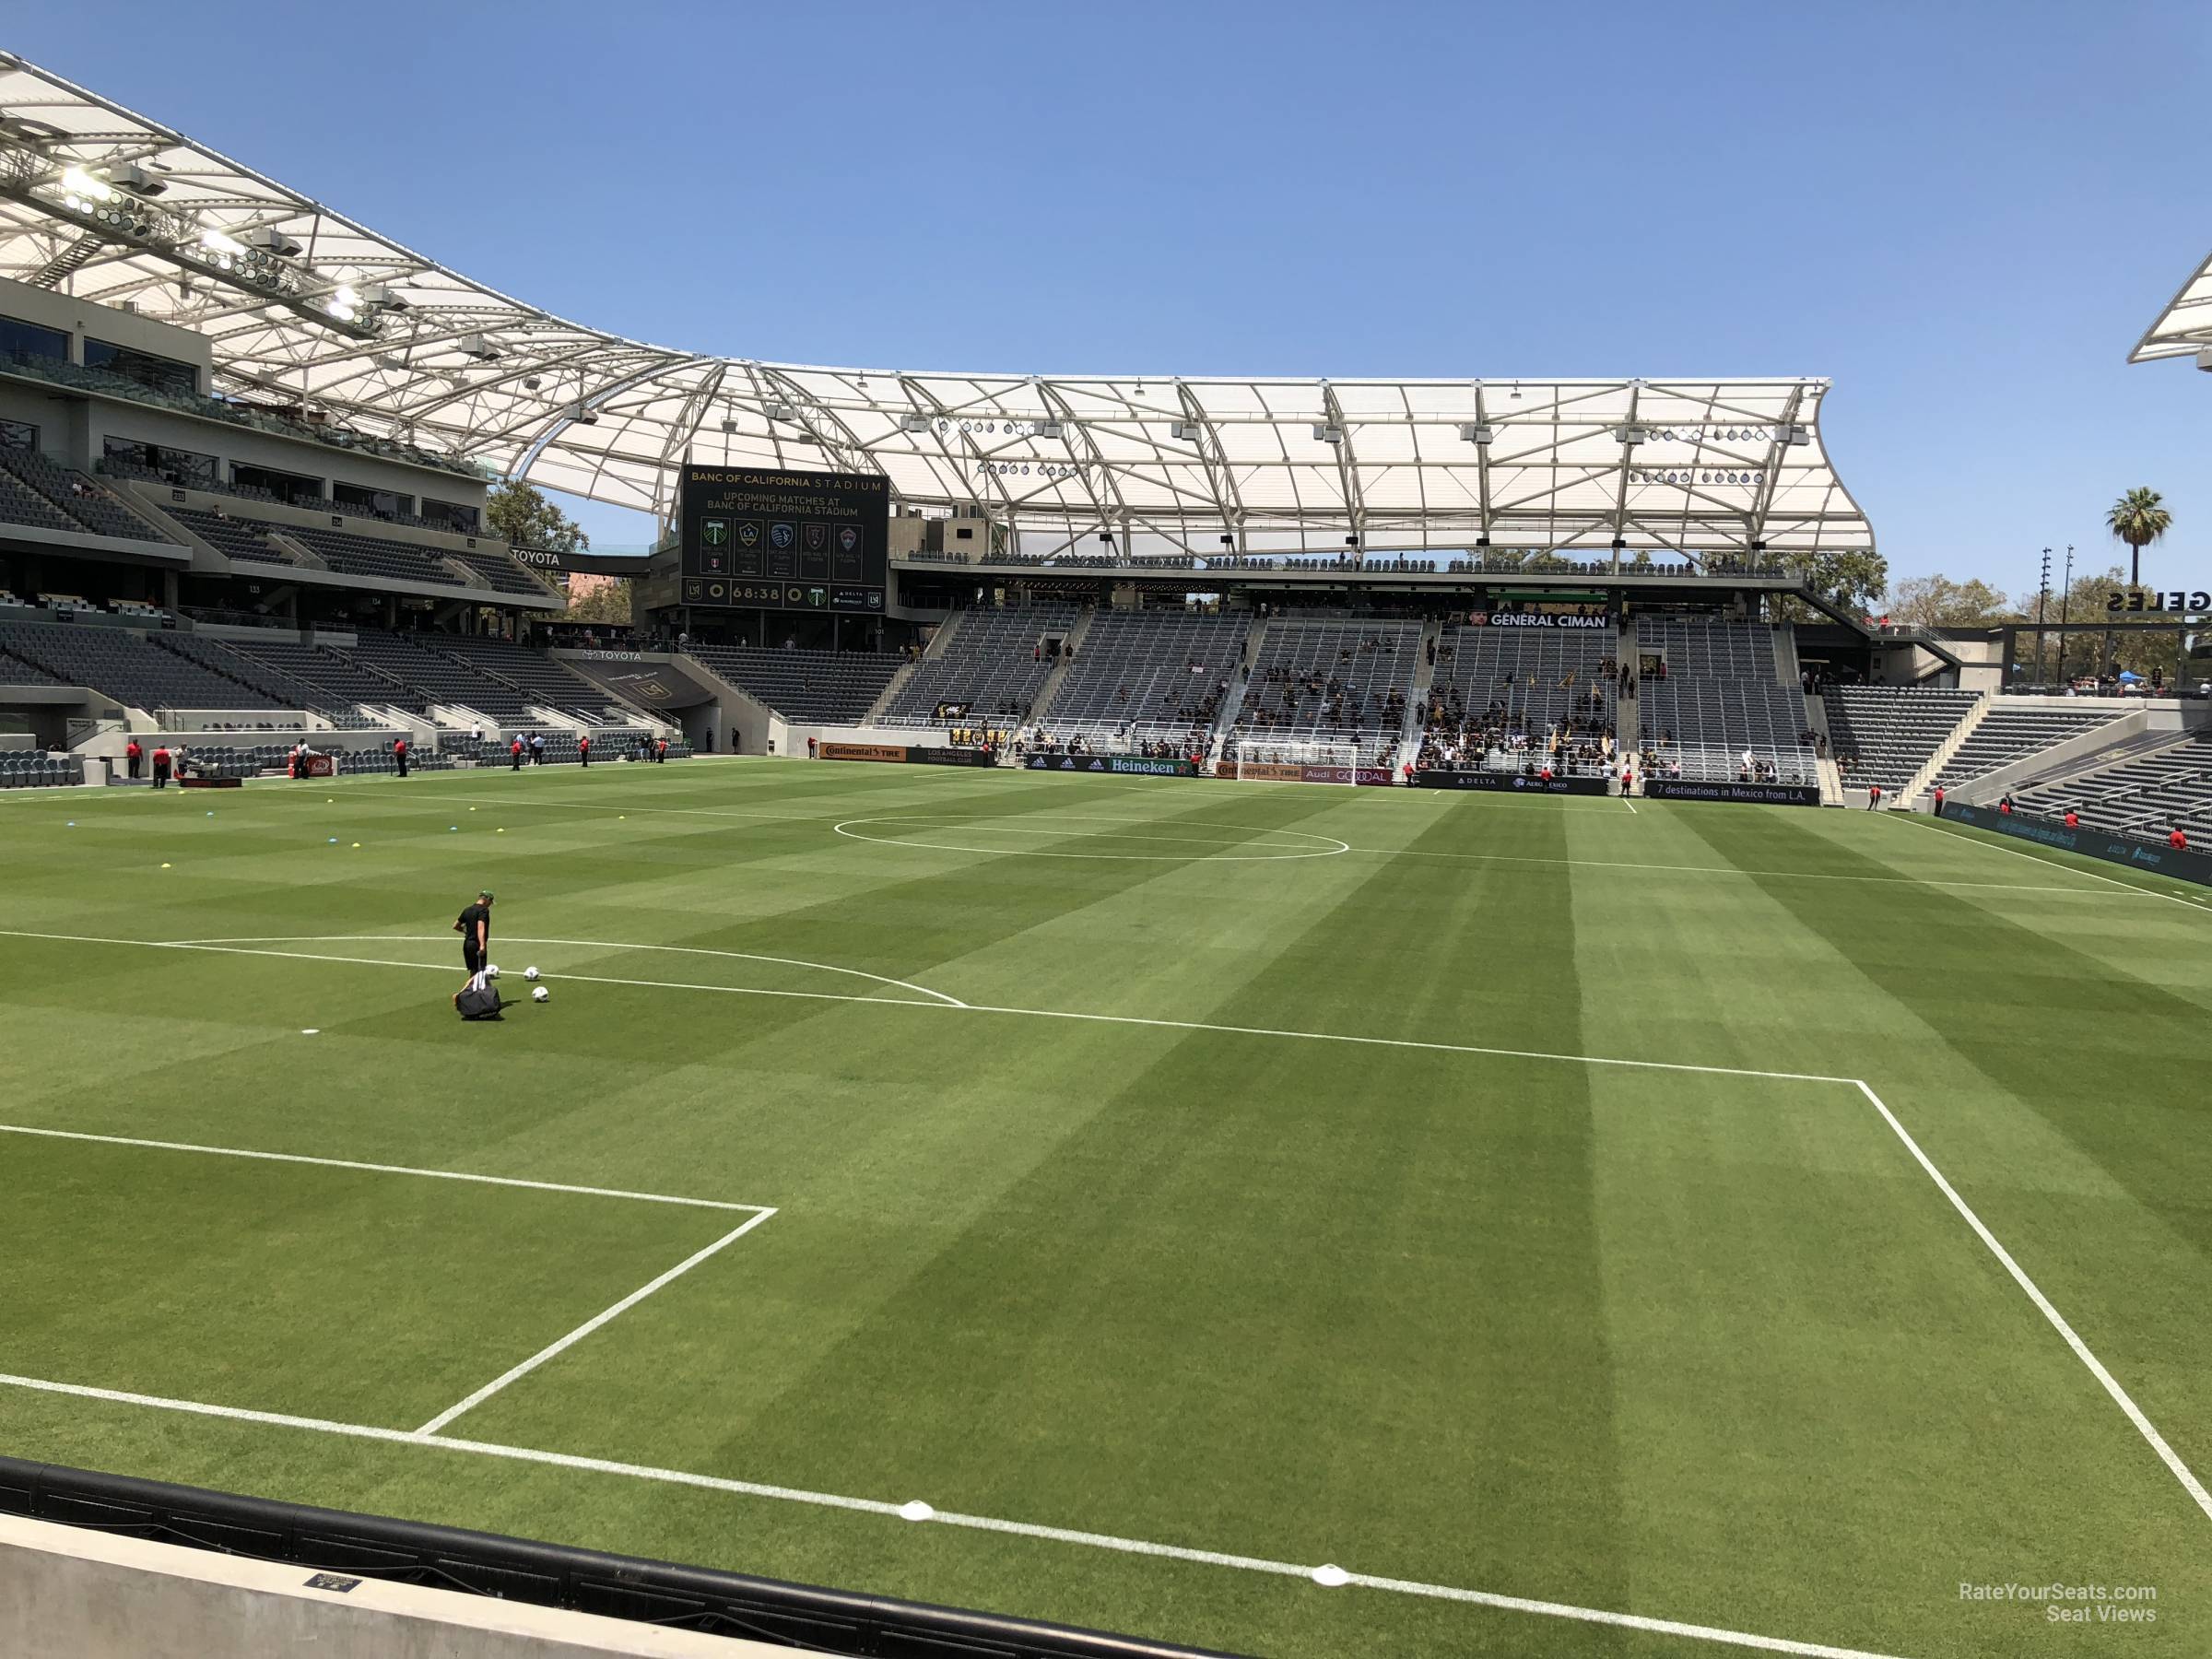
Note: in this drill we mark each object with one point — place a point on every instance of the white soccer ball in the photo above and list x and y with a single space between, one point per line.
492 970
539 993
529 973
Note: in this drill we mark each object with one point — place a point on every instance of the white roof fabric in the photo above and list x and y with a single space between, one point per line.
397 346
2185 327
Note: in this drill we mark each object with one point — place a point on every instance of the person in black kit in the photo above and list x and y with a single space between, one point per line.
475 928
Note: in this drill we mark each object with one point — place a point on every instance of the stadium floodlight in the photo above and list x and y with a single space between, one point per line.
475 346
1477 432
81 186
913 423
270 240
1328 434
217 241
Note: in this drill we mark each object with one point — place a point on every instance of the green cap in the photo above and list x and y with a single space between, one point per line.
485 895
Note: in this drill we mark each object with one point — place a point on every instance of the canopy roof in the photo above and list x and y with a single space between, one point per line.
304 306
2185 327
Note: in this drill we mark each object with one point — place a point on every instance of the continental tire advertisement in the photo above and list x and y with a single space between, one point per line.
2093 844
863 751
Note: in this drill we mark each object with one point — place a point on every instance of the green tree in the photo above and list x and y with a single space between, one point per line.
519 514
1852 581
1936 601
607 603
2138 518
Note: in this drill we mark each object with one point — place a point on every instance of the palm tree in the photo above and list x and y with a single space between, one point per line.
2138 518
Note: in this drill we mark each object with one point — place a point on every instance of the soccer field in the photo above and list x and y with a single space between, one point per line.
1595 1229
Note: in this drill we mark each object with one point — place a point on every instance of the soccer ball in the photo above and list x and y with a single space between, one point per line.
529 973
492 970
539 993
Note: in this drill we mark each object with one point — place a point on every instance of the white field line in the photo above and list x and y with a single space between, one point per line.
959 1008
2049 864
552 1349
1630 805
761 1211
2190 1484
890 1510
1277 854
1602 864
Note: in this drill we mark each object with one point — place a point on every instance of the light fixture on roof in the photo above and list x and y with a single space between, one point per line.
729 425
475 346
2204 358
1477 432
914 423
531 383
582 415
1328 434
384 360
78 187
131 177
779 411
1793 434
270 240
1187 432
1628 435
1048 427
387 299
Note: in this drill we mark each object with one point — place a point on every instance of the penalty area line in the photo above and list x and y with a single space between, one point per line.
910 1515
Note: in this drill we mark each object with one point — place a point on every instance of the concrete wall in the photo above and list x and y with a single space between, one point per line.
70 1593
79 317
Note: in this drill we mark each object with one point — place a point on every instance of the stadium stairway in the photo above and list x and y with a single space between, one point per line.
939 643
1916 791
2088 738
1424 679
1628 714
1076 637
1225 719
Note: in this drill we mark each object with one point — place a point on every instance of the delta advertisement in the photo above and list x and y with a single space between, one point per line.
2093 843
1511 783
1765 794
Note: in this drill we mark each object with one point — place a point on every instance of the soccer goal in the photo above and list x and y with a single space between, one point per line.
1277 761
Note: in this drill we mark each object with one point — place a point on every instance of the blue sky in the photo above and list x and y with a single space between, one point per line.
1963 214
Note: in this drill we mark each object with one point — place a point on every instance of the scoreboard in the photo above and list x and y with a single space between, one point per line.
776 539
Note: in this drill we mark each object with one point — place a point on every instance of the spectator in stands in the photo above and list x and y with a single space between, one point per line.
133 756
2178 842
2004 803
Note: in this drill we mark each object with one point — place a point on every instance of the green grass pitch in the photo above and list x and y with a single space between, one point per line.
1586 1277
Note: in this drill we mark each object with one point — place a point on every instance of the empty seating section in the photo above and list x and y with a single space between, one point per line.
500 573
830 687
35 769
1720 696
341 679
1331 682
352 555
1148 674
993 668
84 503
434 676
2148 796
2011 732
233 538
1885 734
20 504
272 685
121 664
16 671
536 676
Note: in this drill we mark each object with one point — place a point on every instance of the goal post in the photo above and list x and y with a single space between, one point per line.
1277 760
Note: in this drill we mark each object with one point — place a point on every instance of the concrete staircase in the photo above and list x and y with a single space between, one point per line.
1628 714
1424 682
1078 637
1924 778
1225 718
938 642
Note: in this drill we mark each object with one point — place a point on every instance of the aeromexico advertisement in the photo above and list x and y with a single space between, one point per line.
1767 795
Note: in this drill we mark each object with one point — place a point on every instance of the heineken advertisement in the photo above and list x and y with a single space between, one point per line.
1110 763
780 540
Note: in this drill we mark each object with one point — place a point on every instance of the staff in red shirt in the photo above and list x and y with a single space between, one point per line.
584 747
2178 842
161 768
133 756
399 754
514 751
2072 818
1938 800
1874 797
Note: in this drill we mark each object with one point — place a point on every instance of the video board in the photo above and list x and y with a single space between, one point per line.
777 539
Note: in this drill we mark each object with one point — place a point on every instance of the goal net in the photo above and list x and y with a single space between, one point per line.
1279 762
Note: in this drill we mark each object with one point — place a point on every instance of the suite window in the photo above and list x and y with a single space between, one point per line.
179 466
452 515
21 339
295 488
156 373
18 435
379 503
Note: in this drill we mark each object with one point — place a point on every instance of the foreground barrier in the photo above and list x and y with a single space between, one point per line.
96 1602
2093 843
